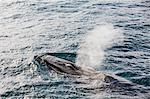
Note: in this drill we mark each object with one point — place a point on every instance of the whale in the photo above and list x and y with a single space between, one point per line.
111 82
62 66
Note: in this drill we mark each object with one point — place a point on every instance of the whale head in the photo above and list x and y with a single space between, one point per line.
58 65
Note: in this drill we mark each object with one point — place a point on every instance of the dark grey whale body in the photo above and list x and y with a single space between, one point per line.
112 82
62 66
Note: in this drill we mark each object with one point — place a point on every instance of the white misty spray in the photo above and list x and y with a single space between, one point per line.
92 51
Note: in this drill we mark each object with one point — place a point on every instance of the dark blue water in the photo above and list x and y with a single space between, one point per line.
28 28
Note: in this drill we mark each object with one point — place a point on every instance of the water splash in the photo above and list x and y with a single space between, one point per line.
91 52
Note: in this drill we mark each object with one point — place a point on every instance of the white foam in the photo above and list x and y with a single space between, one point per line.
92 51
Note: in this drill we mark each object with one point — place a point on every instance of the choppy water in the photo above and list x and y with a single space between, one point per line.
32 27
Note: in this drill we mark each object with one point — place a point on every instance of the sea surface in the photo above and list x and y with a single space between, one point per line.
32 27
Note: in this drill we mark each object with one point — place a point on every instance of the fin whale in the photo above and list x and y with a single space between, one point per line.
62 66
111 83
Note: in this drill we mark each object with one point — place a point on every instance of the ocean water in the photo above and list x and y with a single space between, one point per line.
114 34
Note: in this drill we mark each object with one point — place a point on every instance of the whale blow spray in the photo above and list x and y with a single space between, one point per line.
92 51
